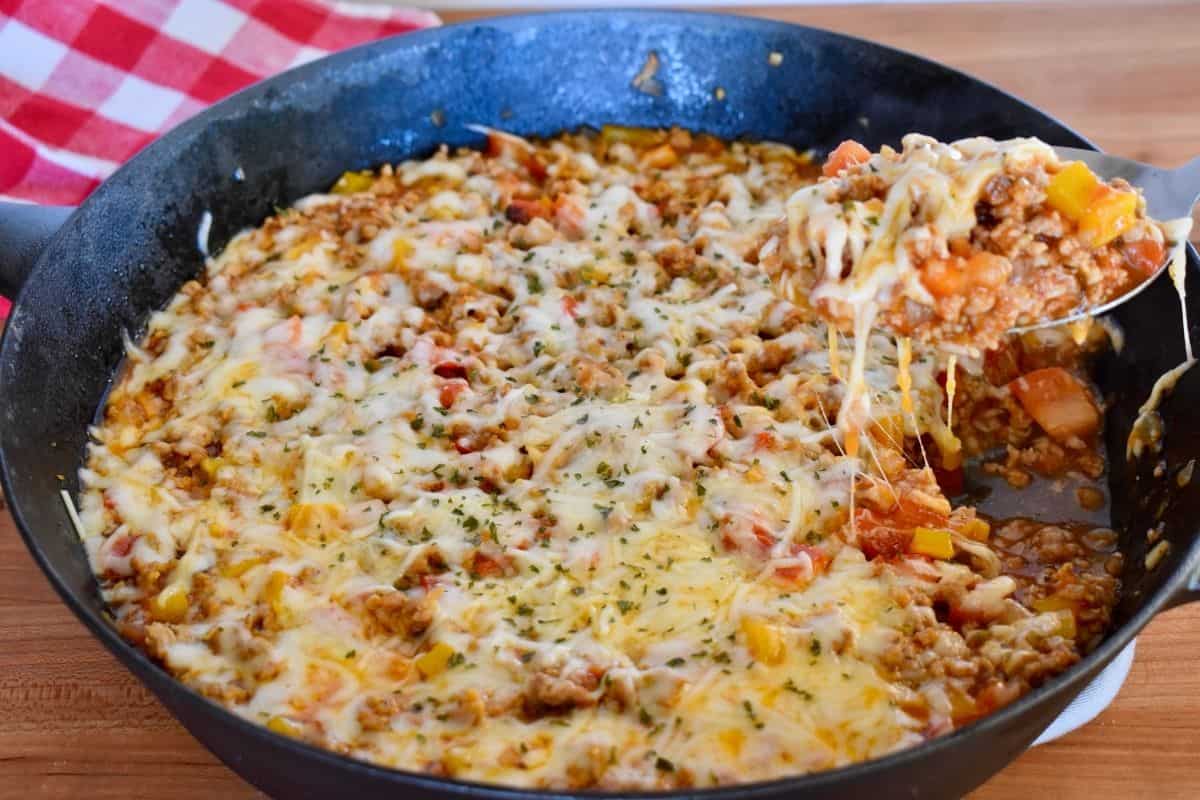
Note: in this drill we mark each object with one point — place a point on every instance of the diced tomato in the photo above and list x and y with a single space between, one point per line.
913 514
569 216
466 444
122 545
1144 256
450 392
987 269
735 536
845 155
878 537
450 369
1058 402
535 166
570 305
887 533
790 573
959 246
520 212
429 580
819 558
764 440
955 275
945 277
793 574
950 480
763 536
497 145
487 566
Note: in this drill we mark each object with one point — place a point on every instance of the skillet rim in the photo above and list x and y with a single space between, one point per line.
161 683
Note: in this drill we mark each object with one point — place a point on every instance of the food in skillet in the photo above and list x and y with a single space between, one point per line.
957 243
516 466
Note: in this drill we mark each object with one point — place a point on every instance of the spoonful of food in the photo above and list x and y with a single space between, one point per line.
960 244
1169 194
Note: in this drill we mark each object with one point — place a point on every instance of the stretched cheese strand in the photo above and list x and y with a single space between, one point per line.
904 381
904 377
834 356
855 412
951 385
922 187
1147 430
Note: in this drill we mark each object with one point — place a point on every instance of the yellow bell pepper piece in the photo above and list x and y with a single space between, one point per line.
339 332
314 520
1103 213
932 542
1063 607
888 429
1054 602
732 740
977 529
401 249
285 727
171 604
763 640
1071 190
238 568
435 660
353 182
274 587
1111 213
643 137
1066 625
457 760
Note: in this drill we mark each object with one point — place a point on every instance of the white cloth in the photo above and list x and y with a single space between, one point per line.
1094 698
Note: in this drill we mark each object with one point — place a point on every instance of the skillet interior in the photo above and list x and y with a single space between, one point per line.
135 241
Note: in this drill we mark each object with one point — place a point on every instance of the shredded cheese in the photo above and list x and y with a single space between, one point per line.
534 492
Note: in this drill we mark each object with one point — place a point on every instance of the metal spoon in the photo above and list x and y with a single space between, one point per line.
1169 193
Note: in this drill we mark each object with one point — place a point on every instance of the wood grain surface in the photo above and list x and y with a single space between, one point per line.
73 723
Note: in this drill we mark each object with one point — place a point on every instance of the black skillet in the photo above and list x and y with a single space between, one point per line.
134 242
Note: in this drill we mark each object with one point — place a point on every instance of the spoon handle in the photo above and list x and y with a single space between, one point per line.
1184 185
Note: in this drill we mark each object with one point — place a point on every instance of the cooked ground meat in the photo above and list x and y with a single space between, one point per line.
515 466
1036 240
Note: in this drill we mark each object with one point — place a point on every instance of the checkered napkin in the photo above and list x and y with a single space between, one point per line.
84 84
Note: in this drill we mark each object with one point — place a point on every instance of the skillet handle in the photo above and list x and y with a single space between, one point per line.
1190 593
25 230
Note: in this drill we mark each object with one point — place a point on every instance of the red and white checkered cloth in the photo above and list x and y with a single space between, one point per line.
84 84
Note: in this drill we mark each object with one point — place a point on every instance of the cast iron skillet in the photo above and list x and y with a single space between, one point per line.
134 242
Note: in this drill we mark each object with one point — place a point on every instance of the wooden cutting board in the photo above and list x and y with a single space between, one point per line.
74 724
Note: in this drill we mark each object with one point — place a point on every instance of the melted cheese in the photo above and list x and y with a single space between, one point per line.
862 249
501 500
1177 232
